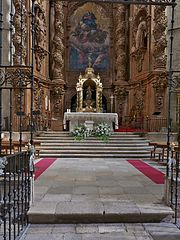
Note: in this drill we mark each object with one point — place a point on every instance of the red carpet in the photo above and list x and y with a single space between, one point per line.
42 165
127 129
155 175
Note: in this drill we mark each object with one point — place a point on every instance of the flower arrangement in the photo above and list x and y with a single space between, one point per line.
102 131
80 132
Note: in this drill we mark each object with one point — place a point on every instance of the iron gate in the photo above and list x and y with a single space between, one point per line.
16 88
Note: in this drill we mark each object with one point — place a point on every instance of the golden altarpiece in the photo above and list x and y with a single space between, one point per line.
127 47
87 83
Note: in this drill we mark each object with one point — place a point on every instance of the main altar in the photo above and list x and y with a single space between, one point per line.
75 118
89 103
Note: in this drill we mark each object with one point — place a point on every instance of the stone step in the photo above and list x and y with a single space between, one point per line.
67 133
95 148
90 141
92 138
62 144
97 151
100 143
97 212
94 155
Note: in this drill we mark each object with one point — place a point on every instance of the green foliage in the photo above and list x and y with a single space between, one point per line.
80 132
103 131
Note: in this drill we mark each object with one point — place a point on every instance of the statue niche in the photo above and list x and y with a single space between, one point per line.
89 92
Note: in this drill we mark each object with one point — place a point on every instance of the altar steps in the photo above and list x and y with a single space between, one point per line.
120 145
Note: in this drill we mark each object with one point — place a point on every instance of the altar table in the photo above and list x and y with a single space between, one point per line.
76 118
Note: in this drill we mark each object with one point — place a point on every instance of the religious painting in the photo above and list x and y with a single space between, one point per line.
89 38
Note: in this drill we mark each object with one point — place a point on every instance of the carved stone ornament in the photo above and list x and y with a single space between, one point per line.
38 96
17 77
20 32
159 33
121 93
40 35
139 98
40 55
57 94
139 57
19 99
58 44
120 38
160 84
175 81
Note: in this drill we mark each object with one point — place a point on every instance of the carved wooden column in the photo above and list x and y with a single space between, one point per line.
58 65
19 39
121 95
20 32
120 49
40 38
160 42
58 43
120 43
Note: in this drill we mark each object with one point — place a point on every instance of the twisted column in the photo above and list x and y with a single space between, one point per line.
58 44
120 42
20 32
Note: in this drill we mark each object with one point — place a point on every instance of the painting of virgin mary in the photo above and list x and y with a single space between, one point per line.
86 40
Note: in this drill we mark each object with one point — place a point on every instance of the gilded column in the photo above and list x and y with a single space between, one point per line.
160 42
20 32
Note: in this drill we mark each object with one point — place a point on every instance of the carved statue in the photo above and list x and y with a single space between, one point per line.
40 28
89 93
20 32
141 35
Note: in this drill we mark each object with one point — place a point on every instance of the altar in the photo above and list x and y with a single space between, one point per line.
76 118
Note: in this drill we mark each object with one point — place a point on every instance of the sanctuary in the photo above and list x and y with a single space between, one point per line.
126 45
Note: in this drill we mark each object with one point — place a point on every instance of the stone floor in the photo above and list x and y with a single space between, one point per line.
147 231
73 187
93 179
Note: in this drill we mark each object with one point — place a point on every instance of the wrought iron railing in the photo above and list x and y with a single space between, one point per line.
153 124
173 183
15 194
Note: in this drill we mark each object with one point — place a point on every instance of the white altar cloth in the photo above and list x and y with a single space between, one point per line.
76 118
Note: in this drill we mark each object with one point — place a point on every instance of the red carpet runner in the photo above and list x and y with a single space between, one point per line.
42 165
155 175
